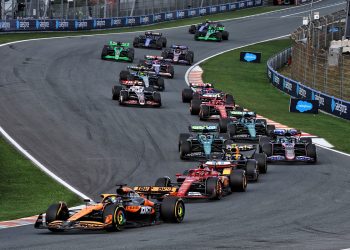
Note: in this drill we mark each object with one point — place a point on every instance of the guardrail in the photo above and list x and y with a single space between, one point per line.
327 103
107 23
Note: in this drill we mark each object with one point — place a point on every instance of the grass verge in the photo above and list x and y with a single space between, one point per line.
24 189
10 37
249 84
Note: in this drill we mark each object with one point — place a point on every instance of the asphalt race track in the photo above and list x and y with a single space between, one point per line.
55 101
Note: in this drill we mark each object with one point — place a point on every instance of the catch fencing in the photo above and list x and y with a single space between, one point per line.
92 9
314 64
292 87
126 17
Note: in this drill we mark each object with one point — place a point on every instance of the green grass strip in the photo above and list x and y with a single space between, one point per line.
249 85
10 37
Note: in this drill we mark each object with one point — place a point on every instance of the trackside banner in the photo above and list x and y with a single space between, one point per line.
329 104
90 24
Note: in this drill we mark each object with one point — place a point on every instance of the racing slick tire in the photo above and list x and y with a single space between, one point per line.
223 122
164 42
159 44
124 75
189 58
165 54
171 71
261 159
269 129
267 149
197 35
160 84
238 181
57 211
172 209
204 112
183 138
192 29
213 188
218 36
136 42
118 217
225 35
116 92
123 96
104 52
131 54
311 151
231 130
230 100
185 148
196 96
157 98
195 106
251 170
187 95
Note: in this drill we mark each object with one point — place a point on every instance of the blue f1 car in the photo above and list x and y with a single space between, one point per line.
152 40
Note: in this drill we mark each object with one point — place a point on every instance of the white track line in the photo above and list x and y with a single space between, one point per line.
267 40
41 166
313 9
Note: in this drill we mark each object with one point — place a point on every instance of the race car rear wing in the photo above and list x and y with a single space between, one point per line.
179 47
154 191
238 114
153 33
111 43
203 128
201 85
149 57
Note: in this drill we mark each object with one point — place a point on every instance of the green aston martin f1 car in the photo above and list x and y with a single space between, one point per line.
210 31
117 51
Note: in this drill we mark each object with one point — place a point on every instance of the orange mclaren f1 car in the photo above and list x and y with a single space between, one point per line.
115 211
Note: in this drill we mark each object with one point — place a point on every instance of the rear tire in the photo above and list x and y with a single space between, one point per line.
185 148
230 100
204 112
261 159
311 152
183 138
160 84
157 98
131 53
195 106
104 52
187 95
192 29
269 130
116 92
136 42
267 149
225 35
123 97
251 170
238 181
172 209
223 122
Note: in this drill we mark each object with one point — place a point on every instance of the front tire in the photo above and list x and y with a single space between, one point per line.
115 216
57 211
213 188
238 181
172 209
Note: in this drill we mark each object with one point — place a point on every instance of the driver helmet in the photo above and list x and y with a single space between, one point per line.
177 50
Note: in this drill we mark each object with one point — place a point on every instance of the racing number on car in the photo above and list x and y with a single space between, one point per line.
146 210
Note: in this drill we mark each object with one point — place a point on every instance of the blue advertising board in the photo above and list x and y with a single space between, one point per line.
326 103
103 23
